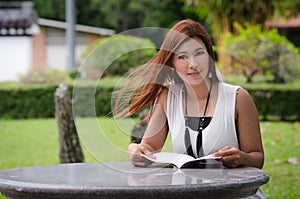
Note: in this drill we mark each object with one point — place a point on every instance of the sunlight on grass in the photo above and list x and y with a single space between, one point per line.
282 145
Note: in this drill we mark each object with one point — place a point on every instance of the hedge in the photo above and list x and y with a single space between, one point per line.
40 102
279 104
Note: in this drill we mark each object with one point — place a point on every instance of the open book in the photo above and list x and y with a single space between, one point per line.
184 160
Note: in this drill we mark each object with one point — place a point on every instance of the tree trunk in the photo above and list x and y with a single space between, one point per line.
139 129
70 149
224 61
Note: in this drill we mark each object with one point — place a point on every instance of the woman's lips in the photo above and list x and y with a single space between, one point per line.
193 74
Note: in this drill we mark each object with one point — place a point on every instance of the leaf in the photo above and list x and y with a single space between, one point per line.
273 143
297 144
292 160
277 161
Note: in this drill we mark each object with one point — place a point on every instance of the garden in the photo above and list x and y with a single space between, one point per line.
31 141
262 61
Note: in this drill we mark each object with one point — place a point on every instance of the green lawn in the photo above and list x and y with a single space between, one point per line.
35 142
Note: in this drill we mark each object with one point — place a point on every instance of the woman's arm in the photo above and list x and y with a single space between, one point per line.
155 134
251 150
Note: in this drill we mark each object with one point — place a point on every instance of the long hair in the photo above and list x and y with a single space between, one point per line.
153 75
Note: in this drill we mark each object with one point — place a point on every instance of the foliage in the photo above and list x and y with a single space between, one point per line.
39 102
254 50
27 103
273 103
50 9
119 15
117 55
287 8
44 76
220 15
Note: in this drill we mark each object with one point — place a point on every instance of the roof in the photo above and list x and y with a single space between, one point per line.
78 27
281 23
17 18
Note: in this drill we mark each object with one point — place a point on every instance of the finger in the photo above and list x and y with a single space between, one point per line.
141 162
222 153
148 153
225 148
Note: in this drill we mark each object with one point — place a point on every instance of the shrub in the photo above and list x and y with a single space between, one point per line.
253 50
44 76
116 55
27 103
278 103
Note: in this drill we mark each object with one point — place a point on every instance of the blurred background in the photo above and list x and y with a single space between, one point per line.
44 42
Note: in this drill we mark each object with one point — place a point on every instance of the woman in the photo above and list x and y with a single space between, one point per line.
203 115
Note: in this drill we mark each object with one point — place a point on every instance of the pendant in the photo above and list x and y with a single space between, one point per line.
201 124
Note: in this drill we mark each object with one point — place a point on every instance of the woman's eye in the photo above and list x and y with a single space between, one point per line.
199 52
182 57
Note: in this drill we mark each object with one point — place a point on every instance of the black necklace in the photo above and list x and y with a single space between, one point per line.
201 125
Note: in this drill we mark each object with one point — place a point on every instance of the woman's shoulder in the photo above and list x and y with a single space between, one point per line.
229 87
163 96
242 93
167 90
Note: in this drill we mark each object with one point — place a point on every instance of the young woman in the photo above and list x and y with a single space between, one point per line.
203 114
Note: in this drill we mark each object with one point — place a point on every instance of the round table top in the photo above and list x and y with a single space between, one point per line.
121 179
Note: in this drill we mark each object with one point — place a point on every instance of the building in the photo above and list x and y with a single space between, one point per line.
17 27
49 46
27 41
289 28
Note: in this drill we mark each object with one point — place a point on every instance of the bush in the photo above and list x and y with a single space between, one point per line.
27 103
256 50
44 76
39 102
116 55
272 103
277 103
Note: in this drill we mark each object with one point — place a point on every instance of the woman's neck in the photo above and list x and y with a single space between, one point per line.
198 92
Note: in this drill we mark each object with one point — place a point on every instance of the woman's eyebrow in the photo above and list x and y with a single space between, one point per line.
185 52
201 48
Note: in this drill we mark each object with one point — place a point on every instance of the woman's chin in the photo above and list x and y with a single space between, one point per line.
195 82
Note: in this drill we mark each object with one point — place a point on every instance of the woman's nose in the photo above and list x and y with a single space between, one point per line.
192 63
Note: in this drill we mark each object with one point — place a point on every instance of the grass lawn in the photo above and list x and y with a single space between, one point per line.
35 142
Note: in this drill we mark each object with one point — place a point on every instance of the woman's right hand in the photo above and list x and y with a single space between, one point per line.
135 151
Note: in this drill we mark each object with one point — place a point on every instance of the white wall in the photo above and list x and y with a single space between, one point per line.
15 57
56 50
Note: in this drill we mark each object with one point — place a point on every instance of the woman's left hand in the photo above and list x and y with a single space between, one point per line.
231 156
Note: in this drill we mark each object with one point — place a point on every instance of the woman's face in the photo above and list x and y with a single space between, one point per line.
191 61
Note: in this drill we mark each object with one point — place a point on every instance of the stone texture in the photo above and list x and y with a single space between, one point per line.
122 180
69 146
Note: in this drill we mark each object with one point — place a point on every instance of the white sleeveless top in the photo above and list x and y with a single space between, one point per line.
219 133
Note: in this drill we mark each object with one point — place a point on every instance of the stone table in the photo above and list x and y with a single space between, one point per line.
122 180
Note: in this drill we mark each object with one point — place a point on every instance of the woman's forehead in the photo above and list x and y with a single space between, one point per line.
191 44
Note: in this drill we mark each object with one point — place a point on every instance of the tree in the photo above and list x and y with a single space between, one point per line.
53 9
254 49
117 55
123 15
221 14
119 15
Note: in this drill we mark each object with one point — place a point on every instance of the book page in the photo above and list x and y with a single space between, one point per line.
170 158
176 159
